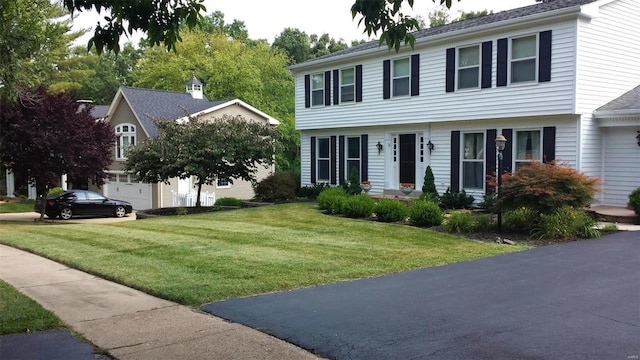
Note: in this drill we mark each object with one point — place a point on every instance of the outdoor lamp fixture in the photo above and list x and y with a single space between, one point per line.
638 137
430 146
501 141
379 147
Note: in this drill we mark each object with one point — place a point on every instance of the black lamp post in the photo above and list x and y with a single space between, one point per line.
501 141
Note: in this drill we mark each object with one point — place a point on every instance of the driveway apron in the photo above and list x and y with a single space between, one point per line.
579 300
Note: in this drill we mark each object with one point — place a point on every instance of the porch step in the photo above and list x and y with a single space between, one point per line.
615 214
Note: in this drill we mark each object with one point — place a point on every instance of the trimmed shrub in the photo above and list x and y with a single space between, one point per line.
459 222
521 219
353 186
565 223
429 190
228 201
331 200
311 192
634 200
275 188
459 200
389 210
546 187
425 213
55 191
358 206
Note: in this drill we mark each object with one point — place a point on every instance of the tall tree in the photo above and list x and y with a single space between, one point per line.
295 43
214 23
47 135
227 148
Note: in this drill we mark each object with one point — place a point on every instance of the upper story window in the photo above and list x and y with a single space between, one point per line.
126 137
347 85
473 161
317 89
528 147
524 52
401 77
323 160
469 67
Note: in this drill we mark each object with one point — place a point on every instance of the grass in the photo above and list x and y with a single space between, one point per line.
195 259
18 313
15 207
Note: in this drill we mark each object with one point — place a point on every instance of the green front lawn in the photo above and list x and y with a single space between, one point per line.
194 259
19 314
15 207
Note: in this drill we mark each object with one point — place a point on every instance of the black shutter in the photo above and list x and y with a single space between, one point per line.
327 88
548 144
490 154
364 155
501 77
487 49
415 75
544 63
332 161
386 79
313 159
336 88
507 153
455 161
307 91
358 83
451 70
342 166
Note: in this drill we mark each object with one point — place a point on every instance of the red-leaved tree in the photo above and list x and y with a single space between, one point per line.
43 136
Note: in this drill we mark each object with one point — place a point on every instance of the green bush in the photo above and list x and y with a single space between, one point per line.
352 187
389 210
634 200
228 201
276 188
459 222
425 213
182 211
311 192
434 198
331 200
429 190
459 200
521 219
55 191
358 206
565 223
483 223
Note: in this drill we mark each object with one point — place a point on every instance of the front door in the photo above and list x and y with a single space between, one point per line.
407 158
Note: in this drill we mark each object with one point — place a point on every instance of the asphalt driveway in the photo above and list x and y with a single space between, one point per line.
578 300
33 216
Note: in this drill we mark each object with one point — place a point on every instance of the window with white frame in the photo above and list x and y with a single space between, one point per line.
528 147
473 161
222 183
353 156
524 59
323 160
469 67
347 85
317 89
126 137
401 77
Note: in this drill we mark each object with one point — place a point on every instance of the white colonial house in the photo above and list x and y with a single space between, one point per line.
558 79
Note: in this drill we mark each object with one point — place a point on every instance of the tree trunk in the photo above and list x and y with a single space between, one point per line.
41 193
198 204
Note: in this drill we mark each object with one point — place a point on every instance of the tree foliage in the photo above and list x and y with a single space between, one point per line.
47 135
302 47
160 20
546 187
226 148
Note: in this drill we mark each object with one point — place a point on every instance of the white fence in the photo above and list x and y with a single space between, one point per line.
189 199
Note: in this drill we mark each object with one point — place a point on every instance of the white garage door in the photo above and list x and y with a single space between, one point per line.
120 187
621 165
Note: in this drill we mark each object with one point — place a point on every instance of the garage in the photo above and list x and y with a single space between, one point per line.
120 186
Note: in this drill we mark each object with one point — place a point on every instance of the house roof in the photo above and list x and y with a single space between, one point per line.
100 111
149 105
467 25
194 81
626 102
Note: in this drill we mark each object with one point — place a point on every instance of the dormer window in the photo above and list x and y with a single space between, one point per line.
126 137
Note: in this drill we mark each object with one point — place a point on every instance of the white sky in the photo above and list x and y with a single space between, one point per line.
265 19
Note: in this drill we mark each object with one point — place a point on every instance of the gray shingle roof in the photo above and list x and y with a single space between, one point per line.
484 20
150 105
627 101
100 111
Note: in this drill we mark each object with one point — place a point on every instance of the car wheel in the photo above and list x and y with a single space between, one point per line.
120 211
66 213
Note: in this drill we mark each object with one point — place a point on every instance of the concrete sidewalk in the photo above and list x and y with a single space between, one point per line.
130 324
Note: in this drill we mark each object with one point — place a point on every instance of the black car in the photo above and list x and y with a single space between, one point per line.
83 202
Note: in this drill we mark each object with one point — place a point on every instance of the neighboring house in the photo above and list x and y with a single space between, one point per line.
535 74
132 114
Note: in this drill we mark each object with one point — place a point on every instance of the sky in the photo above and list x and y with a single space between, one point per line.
265 19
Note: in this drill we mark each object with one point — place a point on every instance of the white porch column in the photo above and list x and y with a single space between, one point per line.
33 192
63 182
11 184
